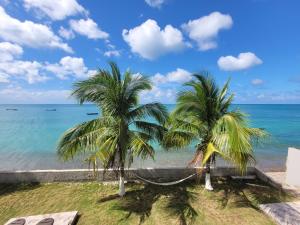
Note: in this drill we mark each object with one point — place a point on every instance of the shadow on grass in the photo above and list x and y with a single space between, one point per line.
6 189
247 193
140 202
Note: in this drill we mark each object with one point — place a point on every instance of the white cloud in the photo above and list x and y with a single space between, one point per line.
11 67
88 28
257 82
111 53
159 94
69 66
28 33
4 78
18 95
8 51
91 73
165 87
155 3
66 33
243 61
150 42
177 76
26 70
205 29
33 71
55 9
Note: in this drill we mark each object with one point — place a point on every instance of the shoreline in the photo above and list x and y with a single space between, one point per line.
265 169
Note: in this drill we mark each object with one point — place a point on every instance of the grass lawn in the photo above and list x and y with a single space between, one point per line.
232 202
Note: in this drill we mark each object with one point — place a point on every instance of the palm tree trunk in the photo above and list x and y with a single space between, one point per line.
121 182
207 177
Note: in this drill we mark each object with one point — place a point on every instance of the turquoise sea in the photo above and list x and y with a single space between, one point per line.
28 136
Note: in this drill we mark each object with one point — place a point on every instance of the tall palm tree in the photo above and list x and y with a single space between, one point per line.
203 116
121 132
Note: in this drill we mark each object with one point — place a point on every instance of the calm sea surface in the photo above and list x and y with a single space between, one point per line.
28 136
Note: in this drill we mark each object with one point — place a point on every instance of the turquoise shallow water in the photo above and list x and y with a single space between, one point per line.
28 136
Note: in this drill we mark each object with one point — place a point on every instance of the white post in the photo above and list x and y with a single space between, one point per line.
208 182
121 186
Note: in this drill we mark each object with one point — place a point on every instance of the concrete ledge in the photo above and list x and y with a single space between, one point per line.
156 174
263 176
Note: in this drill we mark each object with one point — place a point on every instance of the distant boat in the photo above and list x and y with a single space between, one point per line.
50 109
92 114
12 109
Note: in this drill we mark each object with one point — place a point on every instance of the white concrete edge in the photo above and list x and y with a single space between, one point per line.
100 169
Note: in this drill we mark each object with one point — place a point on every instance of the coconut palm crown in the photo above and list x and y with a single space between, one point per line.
121 132
203 116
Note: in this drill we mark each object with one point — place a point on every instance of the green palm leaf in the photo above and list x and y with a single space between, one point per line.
121 132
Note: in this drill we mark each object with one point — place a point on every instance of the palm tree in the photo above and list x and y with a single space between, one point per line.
203 115
121 132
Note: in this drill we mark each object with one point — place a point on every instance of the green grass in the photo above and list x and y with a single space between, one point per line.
232 202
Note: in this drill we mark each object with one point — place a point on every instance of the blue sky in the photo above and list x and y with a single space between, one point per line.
47 45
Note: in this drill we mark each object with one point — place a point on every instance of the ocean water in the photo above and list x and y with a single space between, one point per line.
28 136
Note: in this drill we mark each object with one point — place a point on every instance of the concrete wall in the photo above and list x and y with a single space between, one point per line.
157 174
293 167
264 177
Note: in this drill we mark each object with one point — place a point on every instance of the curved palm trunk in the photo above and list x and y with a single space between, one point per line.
121 182
207 177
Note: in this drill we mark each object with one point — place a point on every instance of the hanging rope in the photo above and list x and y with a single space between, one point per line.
165 183
168 183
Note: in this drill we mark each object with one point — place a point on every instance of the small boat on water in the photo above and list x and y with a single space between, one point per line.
50 109
10 109
92 114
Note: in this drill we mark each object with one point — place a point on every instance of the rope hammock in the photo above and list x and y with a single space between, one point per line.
167 183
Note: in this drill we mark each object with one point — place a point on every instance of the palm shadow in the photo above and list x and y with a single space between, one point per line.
179 205
251 193
140 202
6 189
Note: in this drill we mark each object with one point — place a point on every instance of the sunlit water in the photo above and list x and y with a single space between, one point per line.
28 136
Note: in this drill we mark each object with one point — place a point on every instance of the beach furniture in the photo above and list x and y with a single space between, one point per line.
46 221
18 222
62 218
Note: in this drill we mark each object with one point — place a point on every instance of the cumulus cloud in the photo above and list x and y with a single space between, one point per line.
69 66
177 76
112 53
150 41
243 61
19 95
55 9
159 94
155 3
8 51
33 71
257 82
4 78
26 70
88 28
11 67
66 33
165 87
205 29
28 33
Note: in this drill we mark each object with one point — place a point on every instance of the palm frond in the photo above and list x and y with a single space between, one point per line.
146 111
81 138
233 138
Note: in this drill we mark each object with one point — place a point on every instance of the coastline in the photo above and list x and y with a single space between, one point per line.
162 160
